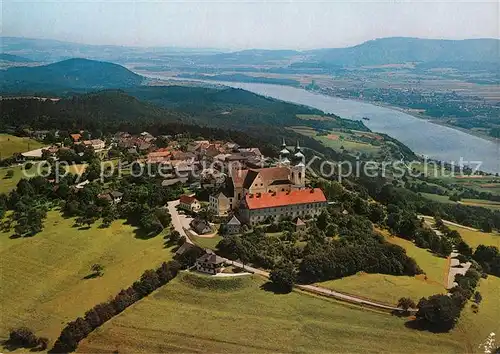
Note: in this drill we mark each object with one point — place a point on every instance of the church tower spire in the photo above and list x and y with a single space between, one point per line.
284 154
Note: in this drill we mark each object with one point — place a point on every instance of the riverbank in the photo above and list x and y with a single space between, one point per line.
410 113
422 136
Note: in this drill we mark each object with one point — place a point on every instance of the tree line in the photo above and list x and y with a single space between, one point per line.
77 330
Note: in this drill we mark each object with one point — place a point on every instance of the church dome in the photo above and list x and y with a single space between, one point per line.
298 153
284 151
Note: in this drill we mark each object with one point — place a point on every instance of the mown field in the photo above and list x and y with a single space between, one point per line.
43 283
389 289
207 242
476 238
385 288
9 183
474 328
196 314
10 144
435 268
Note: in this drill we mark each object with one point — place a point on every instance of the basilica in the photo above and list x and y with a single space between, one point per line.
283 184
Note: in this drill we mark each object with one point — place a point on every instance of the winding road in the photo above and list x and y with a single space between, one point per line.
179 222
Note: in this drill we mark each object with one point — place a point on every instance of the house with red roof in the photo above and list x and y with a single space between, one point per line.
189 203
300 203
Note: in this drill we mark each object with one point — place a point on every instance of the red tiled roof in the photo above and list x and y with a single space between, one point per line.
76 137
159 154
186 199
271 200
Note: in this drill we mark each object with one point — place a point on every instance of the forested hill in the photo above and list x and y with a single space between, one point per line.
68 74
236 108
13 58
257 119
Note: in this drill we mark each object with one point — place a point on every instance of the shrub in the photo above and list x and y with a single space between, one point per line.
406 303
22 337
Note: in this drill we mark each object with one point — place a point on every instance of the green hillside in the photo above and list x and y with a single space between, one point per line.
239 316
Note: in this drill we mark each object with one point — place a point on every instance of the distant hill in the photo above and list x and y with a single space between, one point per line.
403 50
71 73
49 50
13 58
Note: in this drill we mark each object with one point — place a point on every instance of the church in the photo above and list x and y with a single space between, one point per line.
288 176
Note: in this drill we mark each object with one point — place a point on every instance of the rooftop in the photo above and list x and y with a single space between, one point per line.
271 200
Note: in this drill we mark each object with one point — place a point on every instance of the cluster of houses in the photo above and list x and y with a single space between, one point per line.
249 195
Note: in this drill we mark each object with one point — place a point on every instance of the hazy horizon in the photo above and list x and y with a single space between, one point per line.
246 25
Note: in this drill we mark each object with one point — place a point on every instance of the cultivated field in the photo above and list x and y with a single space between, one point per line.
43 283
10 144
194 313
337 139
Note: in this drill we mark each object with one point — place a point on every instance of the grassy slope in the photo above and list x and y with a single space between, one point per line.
385 288
42 277
476 238
8 184
10 144
434 267
475 327
207 242
390 288
194 316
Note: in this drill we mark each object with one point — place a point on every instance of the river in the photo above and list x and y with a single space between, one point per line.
423 137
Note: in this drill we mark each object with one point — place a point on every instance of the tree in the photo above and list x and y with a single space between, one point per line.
283 277
9 174
22 337
487 226
438 312
406 303
175 236
477 297
97 269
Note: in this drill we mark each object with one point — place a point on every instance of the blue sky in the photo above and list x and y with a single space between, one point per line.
242 24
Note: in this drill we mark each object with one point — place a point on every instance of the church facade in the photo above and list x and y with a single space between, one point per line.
288 176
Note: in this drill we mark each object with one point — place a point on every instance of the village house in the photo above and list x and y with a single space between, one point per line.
224 201
97 144
302 203
173 181
159 156
300 225
233 226
113 197
189 203
200 226
40 134
210 263
76 137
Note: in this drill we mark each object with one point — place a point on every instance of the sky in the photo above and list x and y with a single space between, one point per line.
234 24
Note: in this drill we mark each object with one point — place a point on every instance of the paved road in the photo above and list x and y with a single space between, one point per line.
449 223
178 221
320 290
